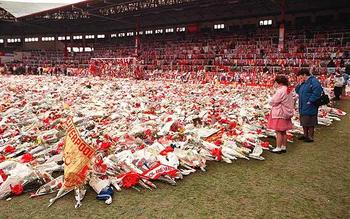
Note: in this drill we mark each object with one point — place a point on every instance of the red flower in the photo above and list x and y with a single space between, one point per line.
166 151
130 179
141 147
216 152
247 145
169 119
46 121
172 173
26 158
224 121
3 175
9 149
106 136
2 158
126 136
101 167
232 133
2 130
17 189
105 145
105 122
148 132
265 144
175 127
218 142
59 185
233 125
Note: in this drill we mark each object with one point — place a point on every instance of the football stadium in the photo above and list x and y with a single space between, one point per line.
174 109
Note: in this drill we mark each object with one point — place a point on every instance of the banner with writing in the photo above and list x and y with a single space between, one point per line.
77 157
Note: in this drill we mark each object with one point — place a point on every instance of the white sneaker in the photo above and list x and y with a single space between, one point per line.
276 150
283 149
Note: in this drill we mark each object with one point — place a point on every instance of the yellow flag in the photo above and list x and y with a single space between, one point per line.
77 157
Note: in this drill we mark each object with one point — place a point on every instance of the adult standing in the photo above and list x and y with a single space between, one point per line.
338 85
309 91
346 79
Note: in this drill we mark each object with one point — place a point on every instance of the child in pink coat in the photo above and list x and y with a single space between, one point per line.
281 113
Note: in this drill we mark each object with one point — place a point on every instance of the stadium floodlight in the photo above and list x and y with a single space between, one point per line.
219 26
180 29
159 31
1 40
101 36
88 49
169 30
30 39
79 37
89 36
14 40
265 23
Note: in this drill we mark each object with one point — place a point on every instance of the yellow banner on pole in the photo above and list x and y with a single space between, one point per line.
77 157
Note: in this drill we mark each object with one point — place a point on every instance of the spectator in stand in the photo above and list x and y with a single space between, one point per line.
309 91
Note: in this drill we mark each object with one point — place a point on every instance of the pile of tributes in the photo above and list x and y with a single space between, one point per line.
129 133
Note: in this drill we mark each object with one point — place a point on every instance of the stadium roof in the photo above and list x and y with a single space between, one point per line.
115 15
20 8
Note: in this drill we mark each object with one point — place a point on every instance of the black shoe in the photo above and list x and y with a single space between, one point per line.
308 140
302 138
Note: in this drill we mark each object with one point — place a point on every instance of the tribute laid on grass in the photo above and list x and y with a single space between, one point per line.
125 133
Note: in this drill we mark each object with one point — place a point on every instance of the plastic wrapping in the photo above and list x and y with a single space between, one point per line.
171 129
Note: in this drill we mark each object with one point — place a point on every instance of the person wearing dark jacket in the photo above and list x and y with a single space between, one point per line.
309 91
